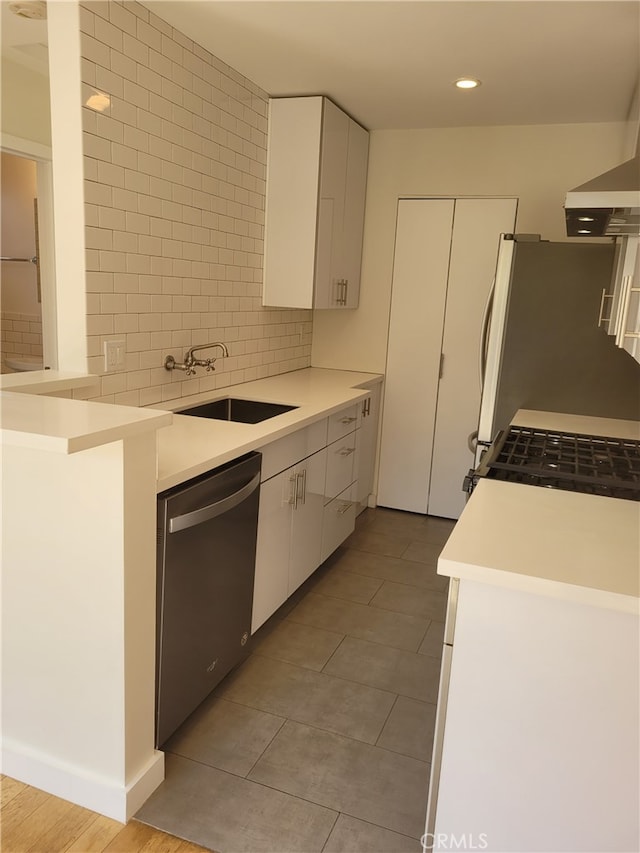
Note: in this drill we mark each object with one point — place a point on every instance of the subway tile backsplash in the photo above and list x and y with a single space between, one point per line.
174 202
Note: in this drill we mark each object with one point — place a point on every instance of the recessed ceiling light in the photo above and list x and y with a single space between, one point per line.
467 83
34 9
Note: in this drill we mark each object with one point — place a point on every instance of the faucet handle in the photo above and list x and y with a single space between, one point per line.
210 364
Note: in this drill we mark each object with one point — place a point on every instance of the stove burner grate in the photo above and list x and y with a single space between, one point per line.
593 464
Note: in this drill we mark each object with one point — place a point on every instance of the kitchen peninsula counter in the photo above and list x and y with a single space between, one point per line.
80 482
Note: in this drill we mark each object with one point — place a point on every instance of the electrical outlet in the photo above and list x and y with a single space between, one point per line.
114 353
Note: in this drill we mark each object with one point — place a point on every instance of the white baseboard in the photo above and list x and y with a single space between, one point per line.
76 785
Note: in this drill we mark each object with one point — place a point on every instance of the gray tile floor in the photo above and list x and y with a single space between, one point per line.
321 740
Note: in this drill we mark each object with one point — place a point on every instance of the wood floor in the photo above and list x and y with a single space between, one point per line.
31 820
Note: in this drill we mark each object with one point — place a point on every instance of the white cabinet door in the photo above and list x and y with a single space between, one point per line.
477 225
271 584
423 237
306 519
628 324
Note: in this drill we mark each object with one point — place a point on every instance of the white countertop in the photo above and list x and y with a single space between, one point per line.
188 446
67 426
557 543
45 381
192 446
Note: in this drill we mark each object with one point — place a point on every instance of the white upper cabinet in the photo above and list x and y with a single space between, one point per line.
620 306
316 182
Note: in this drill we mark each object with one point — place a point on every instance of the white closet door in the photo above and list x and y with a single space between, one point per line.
477 225
423 239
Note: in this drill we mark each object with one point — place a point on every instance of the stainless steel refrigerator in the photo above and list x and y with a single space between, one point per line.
543 348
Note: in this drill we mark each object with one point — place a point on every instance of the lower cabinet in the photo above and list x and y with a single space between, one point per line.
307 505
306 518
289 534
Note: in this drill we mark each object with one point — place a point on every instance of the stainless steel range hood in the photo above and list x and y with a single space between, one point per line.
607 206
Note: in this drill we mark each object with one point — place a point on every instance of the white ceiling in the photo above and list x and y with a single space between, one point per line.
24 41
391 63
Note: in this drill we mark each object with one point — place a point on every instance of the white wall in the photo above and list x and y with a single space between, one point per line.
25 103
538 164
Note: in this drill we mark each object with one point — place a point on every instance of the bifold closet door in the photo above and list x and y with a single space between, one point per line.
445 259
420 270
477 225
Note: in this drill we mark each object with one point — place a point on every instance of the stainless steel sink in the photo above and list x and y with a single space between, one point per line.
233 409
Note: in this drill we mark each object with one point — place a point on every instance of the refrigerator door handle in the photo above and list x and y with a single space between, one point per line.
495 337
484 337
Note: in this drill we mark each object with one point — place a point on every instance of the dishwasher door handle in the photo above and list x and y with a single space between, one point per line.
199 516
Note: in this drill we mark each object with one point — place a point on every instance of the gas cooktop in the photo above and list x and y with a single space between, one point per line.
574 462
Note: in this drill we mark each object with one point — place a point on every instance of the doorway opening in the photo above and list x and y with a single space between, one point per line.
27 341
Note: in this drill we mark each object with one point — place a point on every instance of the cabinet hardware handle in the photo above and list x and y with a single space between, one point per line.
346 451
347 420
604 296
293 494
302 479
343 508
368 403
441 365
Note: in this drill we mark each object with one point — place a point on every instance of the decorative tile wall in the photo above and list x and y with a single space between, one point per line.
174 201
20 334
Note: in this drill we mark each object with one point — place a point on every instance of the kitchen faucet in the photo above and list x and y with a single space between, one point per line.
191 362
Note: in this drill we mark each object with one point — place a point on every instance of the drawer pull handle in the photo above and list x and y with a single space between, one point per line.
346 451
343 508
347 420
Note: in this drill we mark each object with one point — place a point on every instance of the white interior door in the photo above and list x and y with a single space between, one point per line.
423 239
477 225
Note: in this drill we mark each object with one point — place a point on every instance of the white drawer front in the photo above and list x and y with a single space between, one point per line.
343 422
284 452
338 521
341 456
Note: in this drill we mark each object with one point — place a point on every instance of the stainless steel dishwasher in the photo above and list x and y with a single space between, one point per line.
207 530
